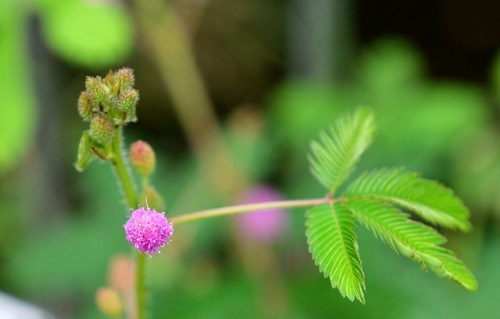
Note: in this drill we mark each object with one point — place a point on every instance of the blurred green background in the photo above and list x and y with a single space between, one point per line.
247 83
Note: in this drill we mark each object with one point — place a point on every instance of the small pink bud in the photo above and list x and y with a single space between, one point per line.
264 225
142 158
147 230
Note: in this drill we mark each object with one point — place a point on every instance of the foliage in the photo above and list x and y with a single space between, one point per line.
17 123
376 200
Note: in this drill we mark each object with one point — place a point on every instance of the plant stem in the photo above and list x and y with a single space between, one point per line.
140 284
127 185
238 209
122 171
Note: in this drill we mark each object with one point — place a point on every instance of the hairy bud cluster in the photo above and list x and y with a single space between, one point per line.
106 103
112 96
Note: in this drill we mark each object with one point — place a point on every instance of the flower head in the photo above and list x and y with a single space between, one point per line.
147 230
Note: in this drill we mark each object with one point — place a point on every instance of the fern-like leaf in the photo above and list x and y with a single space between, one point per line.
394 227
333 158
333 244
412 239
444 262
428 199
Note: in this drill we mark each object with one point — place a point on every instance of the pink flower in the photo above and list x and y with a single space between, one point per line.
147 230
264 225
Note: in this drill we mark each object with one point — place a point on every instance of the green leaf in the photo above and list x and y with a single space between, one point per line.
91 34
430 200
334 157
444 263
17 102
333 244
393 226
412 239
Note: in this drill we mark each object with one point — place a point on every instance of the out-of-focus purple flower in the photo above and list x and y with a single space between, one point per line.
147 230
265 225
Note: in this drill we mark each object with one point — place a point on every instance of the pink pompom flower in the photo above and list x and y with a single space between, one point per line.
147 230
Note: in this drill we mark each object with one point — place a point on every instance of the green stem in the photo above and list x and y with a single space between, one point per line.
238 209
127 185
121 169
140 284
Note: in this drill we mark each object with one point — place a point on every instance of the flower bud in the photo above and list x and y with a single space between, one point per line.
101 129
85 106
131 115
147 230
97 91
126 78
150 197
109 79
113 84
128 99
85 153
109 302
142 158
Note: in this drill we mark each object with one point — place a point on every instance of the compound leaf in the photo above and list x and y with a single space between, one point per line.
412 239
333 244
336 153
430 200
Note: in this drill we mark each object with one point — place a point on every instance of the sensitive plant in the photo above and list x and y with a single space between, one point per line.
380 200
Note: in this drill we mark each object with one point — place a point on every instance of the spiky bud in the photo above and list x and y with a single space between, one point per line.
147 230
102 129
128 99
142 158
126 78
85 106
96 89
85 153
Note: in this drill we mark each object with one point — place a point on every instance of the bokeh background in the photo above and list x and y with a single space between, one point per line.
231 94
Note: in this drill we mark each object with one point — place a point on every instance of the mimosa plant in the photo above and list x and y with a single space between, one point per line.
379 199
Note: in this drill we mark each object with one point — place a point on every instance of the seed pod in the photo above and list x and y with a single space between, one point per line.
85 153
